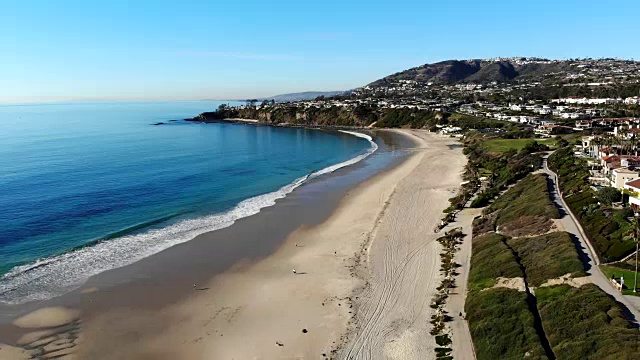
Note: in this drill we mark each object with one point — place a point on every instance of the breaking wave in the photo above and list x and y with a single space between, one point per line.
53 276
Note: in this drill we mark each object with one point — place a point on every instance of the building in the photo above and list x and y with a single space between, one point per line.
620 176
633 189
548 130
583 124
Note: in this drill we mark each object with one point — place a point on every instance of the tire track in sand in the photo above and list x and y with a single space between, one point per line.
392 319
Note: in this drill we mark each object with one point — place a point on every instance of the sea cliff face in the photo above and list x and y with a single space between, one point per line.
297 116
337 117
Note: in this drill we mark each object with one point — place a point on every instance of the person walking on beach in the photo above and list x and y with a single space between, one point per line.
294 271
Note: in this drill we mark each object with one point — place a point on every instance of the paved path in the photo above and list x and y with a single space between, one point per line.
590 260
462 345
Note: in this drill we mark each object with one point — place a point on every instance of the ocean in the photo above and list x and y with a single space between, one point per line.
88 187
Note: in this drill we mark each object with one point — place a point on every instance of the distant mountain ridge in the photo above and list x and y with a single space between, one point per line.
477 71
307 95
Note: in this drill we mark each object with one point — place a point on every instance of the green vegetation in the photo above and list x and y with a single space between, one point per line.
547 257
360 116
579 323
585 323
501 325
524 209
606 227
403 118
443 340
502 145
417 119
501 169
467 122
491 259
612 271
608 195
573 173
465 193
450 242
542 258
529 198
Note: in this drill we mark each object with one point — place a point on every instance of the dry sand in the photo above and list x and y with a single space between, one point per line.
568 280
516 283
376 253
393 312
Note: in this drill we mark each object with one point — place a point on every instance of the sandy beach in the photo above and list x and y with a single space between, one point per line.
393 313
361 289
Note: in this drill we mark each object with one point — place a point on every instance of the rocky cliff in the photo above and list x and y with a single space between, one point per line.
298 116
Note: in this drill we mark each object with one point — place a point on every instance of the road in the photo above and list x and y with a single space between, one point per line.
590 260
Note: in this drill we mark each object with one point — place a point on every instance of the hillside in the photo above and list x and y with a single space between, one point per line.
477 71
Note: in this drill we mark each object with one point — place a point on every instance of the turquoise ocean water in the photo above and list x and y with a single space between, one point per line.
87 187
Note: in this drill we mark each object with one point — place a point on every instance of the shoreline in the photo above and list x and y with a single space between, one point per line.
262 309
264 301
151 284
261 299
245 208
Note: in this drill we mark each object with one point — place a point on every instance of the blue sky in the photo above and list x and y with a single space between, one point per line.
59 50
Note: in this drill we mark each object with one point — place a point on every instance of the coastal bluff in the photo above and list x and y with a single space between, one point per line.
332 117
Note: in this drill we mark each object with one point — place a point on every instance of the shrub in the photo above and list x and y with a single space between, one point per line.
608 195
548 257
491 259
585 323
501 325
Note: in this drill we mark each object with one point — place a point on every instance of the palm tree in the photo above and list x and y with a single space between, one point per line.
622 136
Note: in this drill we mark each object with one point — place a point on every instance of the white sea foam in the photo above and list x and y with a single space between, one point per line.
56 275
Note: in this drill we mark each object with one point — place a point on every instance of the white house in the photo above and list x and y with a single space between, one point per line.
620 176
634 198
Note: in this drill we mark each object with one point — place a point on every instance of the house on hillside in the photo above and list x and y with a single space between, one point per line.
620 176
548 130
606 151
633 187
584 124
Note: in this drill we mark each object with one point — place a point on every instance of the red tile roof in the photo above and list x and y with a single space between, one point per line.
634 184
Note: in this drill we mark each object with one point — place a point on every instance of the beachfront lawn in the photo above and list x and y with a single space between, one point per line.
504 145
610 271
585 323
